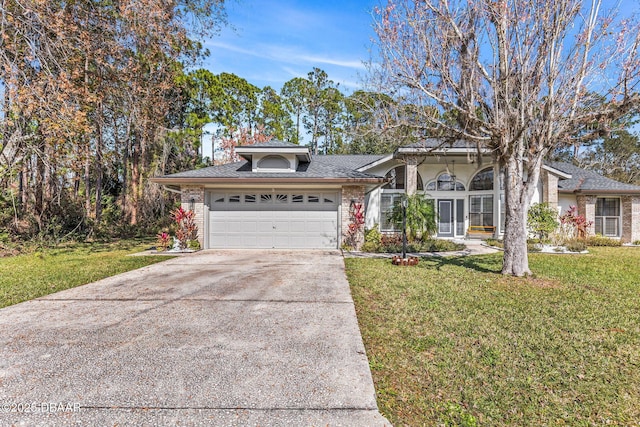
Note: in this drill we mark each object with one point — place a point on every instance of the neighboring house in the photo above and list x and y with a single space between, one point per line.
280 196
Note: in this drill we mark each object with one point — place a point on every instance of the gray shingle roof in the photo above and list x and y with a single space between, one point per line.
274 143
319 167
586 180
349 161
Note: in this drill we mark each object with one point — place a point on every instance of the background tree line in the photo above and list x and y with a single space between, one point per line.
311 110
88 97
98 96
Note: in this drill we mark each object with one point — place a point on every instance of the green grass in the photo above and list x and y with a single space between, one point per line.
33 275
452 342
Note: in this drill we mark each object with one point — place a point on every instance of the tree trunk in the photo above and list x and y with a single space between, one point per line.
516 258
87 181
39 181
99 171
133 200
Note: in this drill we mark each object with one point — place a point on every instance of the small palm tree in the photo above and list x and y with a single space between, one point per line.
421 217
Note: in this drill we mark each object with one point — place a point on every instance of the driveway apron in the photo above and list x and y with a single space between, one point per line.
214 338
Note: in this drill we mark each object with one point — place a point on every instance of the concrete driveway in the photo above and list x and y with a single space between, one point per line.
214 338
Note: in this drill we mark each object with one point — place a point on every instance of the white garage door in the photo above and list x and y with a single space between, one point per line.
280 219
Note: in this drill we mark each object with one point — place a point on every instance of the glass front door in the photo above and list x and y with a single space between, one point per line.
445 218
450 217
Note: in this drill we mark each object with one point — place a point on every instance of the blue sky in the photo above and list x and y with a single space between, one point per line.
269 42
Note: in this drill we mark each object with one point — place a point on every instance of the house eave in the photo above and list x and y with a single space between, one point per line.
282 181
439 150
598 192
375 163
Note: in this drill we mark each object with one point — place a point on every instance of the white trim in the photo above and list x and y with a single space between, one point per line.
376 163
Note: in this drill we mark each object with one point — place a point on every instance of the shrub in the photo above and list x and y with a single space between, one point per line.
542 220
356 224
599 240
372 240
637 242
573 225
575 245
391 243
495 243
439 245
187 229
193 245
533 247
163 240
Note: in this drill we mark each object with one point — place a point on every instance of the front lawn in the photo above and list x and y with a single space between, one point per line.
33 275
452 342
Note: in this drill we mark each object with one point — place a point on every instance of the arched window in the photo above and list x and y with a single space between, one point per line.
445 182
273 162
482 181
396 177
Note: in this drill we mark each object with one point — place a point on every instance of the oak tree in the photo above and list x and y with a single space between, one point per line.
514 75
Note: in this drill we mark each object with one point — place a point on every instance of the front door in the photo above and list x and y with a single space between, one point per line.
445 218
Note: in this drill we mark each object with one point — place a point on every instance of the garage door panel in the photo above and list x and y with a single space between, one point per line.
298 226
262 226
272 223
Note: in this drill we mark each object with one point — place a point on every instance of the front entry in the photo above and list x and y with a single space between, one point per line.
445 218
450 217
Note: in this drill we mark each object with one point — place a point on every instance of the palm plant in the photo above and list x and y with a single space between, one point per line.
421 217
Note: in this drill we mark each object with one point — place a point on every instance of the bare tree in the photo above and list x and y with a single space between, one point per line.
514 74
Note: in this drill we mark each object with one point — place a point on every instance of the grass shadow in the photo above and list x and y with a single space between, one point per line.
481 263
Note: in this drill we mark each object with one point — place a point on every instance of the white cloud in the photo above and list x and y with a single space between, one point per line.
287 55
333 61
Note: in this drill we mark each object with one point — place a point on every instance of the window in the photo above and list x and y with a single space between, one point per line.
297 198
234 199
266 198
329 198
482 181
445 182
249 198
273 162
481 210
387 201
396 179
313 199
282 198
607 221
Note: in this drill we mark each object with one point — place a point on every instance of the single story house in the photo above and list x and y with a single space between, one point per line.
281 196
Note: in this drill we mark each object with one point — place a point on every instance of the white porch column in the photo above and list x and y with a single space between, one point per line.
411 175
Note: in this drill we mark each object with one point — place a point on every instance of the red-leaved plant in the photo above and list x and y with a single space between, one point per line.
356 225
578 224
163 241
187 229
